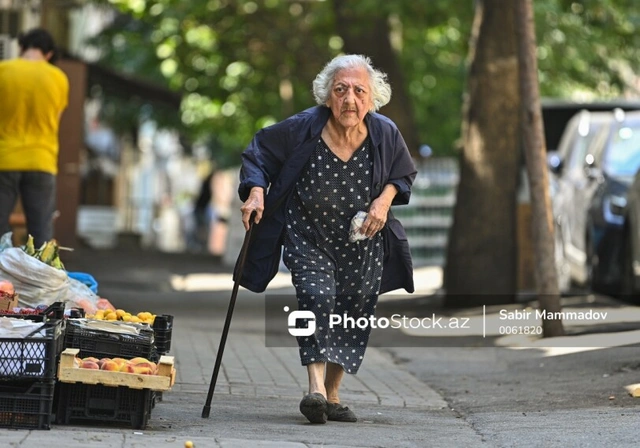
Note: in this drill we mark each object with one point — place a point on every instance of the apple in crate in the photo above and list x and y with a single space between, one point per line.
138 360
6 288
127 368
102 361
144 369
108 364
120 361
90 365
144 366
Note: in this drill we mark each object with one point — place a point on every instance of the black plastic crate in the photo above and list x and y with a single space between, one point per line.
105 344
34 357
26 405
162 328
55 311
98 404
76 313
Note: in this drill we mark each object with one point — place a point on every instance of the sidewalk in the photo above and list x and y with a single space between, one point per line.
256 399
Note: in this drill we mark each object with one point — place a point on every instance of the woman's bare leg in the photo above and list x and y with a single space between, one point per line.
316 378
335 373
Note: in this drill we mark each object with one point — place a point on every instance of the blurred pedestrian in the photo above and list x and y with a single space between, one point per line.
320 168
34 94
203 215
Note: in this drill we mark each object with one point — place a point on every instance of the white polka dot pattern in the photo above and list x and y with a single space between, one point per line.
331 274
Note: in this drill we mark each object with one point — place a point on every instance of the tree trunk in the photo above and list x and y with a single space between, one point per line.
481 265
535 150
370 36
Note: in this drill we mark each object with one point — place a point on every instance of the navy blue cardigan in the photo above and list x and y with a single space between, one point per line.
275 159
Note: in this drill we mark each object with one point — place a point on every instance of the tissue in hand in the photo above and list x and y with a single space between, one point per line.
356 223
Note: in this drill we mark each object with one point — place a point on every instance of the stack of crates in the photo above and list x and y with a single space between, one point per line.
162 330
28 370
96 403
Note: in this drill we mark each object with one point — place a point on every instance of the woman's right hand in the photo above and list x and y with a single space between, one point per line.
254 203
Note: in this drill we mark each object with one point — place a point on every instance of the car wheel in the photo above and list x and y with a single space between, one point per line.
562 265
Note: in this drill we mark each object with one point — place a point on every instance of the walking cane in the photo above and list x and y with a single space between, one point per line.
227 323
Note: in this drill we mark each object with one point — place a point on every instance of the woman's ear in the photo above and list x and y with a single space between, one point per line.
48 56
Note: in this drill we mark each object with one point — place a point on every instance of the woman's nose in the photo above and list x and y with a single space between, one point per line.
350 95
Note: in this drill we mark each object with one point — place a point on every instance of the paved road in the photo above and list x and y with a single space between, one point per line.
413 390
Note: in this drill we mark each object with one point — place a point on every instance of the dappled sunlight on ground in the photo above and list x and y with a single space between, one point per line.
427 280
218 282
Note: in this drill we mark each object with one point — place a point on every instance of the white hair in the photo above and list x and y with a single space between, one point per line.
380 88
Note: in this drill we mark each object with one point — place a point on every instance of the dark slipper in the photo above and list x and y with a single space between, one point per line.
338 413
314 407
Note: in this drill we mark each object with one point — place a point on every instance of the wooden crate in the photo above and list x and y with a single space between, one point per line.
163 380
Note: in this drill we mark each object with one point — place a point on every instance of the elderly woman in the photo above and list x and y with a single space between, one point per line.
320 167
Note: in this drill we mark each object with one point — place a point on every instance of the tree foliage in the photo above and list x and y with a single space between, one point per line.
588 49
244 64
234 61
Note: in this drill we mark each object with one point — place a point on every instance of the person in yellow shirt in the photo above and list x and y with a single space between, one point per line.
33 95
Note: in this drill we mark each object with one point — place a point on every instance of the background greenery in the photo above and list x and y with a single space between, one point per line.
244 64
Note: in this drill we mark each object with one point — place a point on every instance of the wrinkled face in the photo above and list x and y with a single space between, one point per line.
350 98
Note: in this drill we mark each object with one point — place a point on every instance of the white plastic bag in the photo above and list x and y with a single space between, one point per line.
6 241
40 284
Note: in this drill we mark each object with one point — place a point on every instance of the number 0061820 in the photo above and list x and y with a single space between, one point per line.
520 329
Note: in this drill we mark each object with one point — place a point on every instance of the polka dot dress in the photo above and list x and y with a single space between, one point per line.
332 275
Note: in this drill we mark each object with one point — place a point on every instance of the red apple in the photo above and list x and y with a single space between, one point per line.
102 361
119 361
90 365
127 368
142 370
6 287
110 365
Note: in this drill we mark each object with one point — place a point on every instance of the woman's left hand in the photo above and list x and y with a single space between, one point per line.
376 217
378 211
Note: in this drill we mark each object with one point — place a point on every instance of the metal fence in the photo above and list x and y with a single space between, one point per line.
429 215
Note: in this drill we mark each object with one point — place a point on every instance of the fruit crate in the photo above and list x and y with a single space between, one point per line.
103 341
26 405
162 329
33 357
99 404
68 372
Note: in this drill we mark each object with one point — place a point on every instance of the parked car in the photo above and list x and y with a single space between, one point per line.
594 166
630 261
